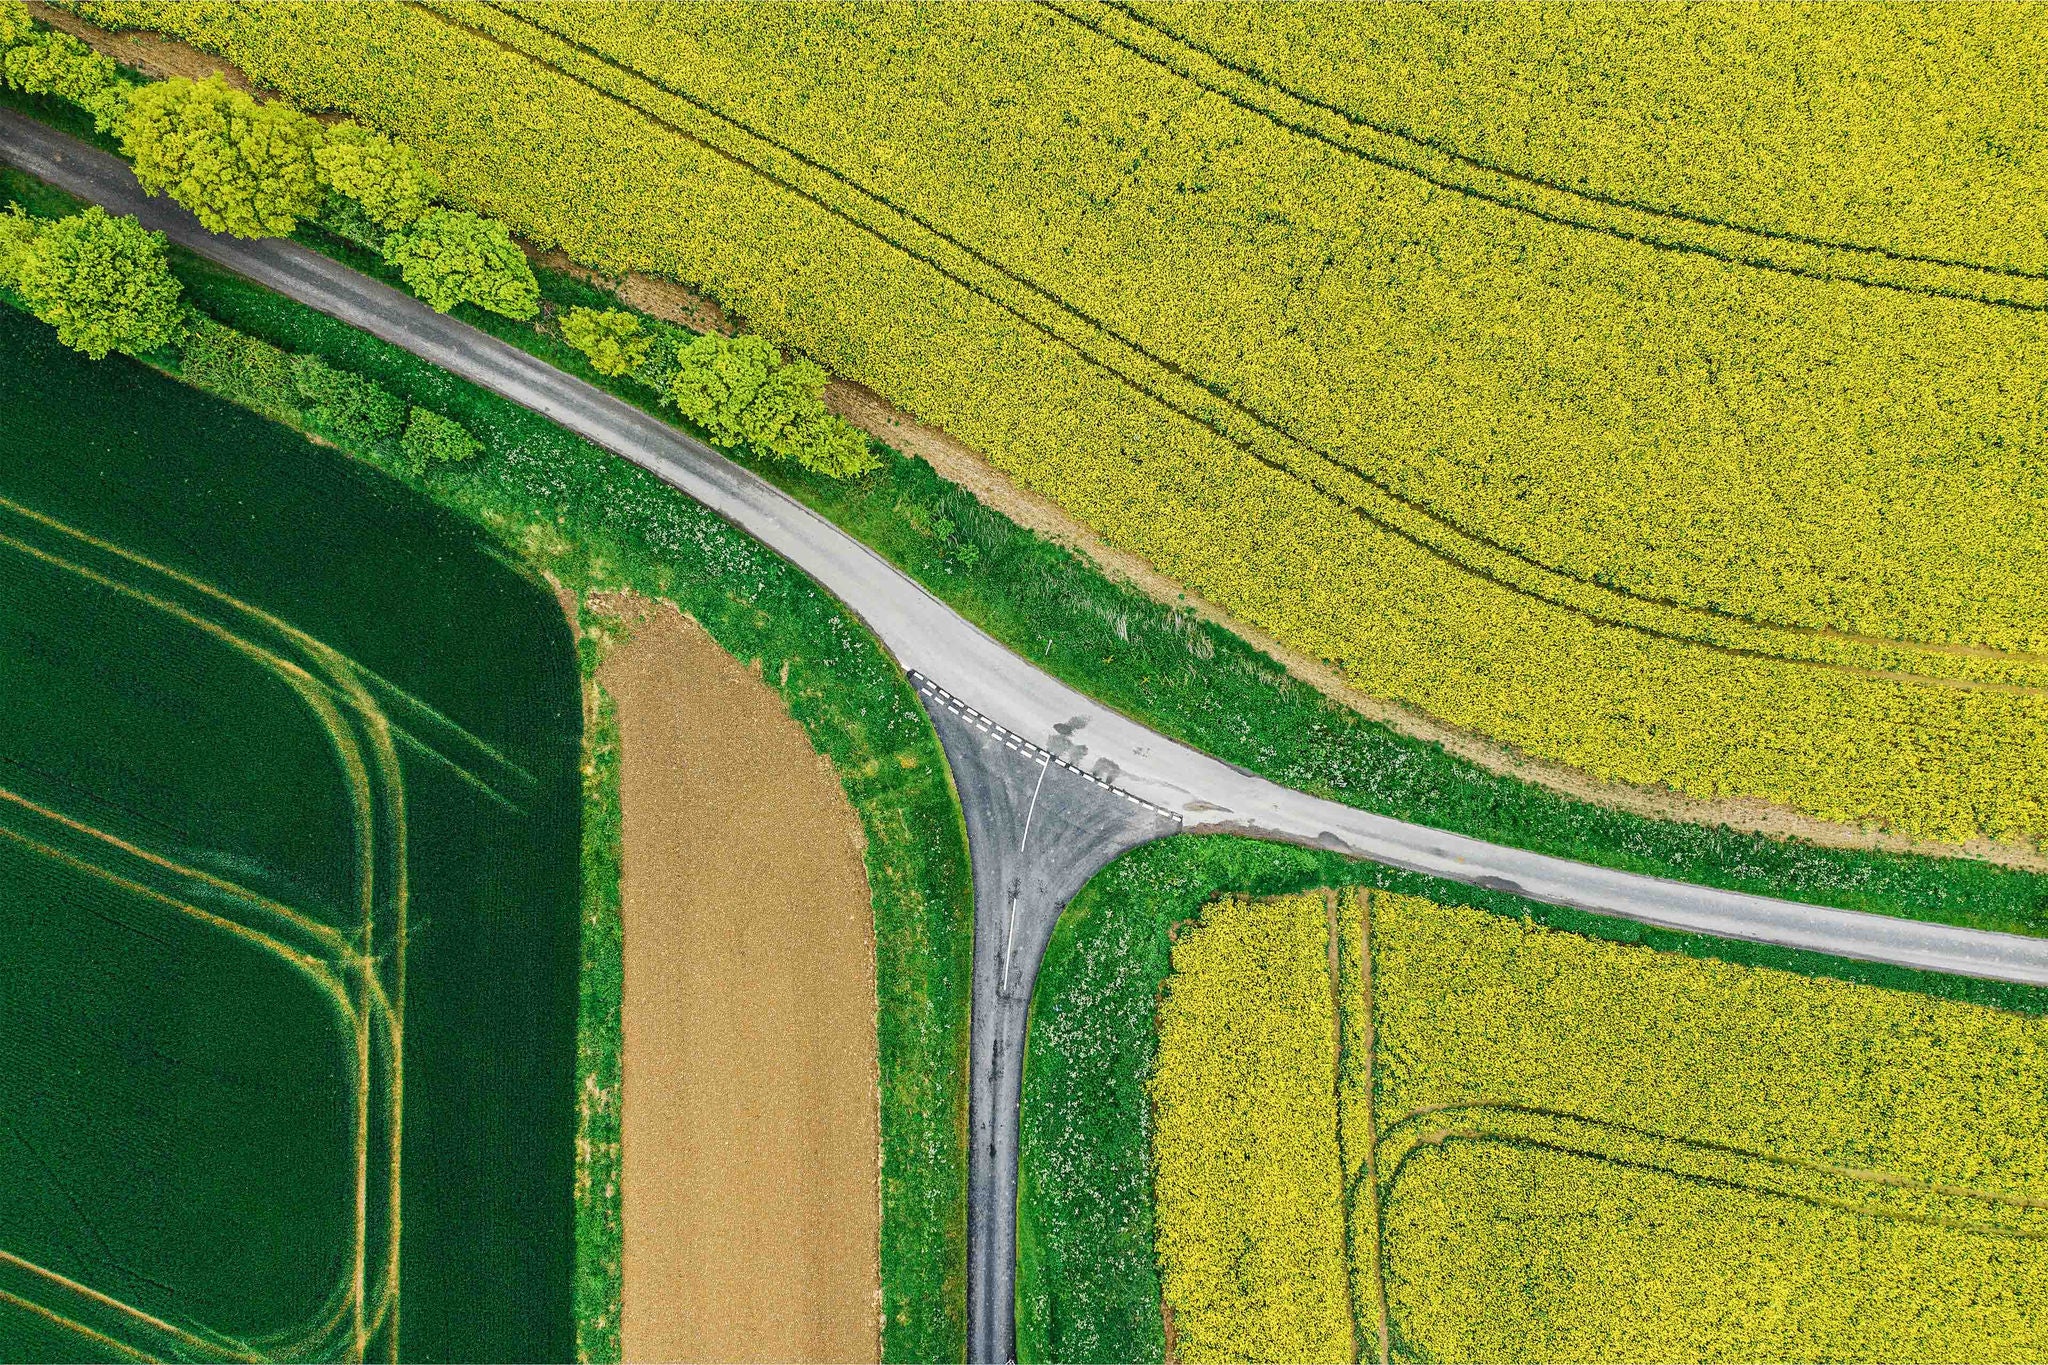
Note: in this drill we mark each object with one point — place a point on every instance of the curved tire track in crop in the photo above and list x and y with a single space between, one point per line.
1594 199
1408 518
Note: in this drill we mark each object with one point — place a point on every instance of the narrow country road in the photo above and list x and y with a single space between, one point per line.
926 636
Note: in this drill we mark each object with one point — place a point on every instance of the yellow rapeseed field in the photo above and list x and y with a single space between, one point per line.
1610 380
1250 1229
1589 1151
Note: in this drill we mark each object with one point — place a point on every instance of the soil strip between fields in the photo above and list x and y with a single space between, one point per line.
750 1125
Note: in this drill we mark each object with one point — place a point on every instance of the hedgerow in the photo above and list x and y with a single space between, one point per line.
1251 1234
1607 501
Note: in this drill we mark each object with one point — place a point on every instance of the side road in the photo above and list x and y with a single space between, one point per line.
1146 770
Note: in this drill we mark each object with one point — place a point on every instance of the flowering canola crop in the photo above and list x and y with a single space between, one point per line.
1644 428
1589 1151
1251 1238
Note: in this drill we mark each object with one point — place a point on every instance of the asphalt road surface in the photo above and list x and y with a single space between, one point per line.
1147 771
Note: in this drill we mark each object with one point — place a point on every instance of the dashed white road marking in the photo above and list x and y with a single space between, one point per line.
1012 740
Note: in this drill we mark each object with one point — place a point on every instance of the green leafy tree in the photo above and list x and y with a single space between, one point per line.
386 179
828 444
450 256
740 390
242 168
104 283
17 231
612 339
45 62
431 438
716 380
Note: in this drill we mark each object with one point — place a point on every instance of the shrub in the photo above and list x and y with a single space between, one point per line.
17 231
611 339
242 168
103 282
385 179
45 62
15 24
354 411
828 444
740 390
450 256
716 379
431 438
238 368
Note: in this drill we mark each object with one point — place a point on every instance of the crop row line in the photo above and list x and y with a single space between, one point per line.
1396 513
1522 193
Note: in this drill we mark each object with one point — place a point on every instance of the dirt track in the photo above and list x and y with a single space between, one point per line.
751 1142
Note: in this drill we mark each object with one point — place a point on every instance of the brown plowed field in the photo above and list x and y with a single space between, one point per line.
750 1140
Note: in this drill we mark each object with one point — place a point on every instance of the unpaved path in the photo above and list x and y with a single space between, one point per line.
750 1129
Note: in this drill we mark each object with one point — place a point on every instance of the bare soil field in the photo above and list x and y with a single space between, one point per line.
751 1136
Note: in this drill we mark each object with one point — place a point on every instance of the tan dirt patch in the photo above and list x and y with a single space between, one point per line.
961 463
751 1140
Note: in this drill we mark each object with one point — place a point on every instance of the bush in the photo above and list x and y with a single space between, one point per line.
740 390
238 368
45 62
17 231
39 61
15 24
450 256
431 438
385 179
103 282
355 412
242 168
716 379
611 339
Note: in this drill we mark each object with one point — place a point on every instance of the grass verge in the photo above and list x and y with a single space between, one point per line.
1087 1284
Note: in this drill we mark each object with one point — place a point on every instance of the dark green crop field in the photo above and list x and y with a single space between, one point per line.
288 895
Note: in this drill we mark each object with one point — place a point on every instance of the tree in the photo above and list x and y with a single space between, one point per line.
242 168
385 178
611 339
104 283
716 380
17 231
450 256
828 444
431 438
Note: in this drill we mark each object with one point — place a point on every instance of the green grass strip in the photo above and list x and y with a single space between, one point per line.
600 1249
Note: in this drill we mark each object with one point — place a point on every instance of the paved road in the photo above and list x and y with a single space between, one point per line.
928 638
1037 830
